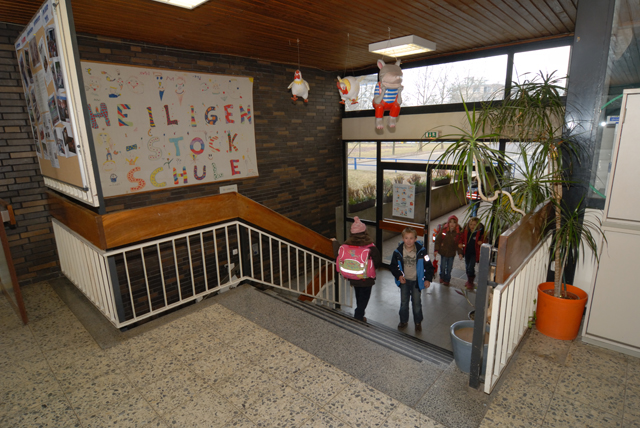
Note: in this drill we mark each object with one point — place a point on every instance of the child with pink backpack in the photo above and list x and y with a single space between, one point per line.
357 260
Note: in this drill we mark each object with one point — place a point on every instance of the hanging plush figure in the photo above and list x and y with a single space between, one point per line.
388 93
299 87
349 88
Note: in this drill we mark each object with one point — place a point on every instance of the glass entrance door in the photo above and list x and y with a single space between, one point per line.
404 204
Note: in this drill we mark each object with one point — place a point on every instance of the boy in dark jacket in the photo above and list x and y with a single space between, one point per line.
471 239
413 271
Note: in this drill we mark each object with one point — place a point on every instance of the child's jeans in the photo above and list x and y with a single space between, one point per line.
446 265
362 299
410 290
470 264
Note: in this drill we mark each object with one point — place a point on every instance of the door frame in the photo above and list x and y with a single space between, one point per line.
379 222
399 225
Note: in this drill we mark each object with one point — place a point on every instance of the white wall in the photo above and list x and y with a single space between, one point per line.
409 126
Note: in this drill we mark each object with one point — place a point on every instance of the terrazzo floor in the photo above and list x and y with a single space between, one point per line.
222 364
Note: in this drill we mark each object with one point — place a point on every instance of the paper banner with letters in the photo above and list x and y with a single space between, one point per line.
158 129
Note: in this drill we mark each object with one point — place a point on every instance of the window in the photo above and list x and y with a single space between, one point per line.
623 63
472 80
361 179
546 61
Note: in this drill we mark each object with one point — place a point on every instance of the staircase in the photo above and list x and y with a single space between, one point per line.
393 339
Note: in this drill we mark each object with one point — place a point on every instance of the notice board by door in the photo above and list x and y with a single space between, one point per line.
41 60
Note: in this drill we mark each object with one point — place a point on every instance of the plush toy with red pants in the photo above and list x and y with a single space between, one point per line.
388 93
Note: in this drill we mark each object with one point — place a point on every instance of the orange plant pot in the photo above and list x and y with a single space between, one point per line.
559 318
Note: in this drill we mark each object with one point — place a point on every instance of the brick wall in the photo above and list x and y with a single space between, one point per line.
298 146
32 244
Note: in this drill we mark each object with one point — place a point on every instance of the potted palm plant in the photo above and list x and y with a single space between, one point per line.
533 118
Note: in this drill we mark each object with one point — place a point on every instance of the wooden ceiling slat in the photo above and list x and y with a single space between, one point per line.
538 16
459 21
570 7
561 13
461 32
542 9
482 16
510 27
268 30
443 39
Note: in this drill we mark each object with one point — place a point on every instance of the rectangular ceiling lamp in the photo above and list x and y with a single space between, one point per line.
402 46
187 4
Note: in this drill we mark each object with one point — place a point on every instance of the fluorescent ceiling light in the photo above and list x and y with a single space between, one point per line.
402 46
187 4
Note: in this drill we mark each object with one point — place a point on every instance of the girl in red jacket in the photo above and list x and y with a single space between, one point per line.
447 245
470 240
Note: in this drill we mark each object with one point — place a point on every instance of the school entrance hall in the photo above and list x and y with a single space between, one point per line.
266 214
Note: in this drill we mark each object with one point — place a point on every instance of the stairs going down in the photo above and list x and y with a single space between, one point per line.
393 339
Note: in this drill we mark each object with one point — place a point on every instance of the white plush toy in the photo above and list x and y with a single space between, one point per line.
299 87
349 89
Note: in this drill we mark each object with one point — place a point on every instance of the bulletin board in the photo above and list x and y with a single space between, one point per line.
42 62
156 129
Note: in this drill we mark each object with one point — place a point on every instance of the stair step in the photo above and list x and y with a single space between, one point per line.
393 339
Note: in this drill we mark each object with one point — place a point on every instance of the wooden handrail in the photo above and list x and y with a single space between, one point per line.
127 227
399 226
515 245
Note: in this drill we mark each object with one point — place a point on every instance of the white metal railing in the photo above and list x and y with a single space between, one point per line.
513 302
86 266
135 282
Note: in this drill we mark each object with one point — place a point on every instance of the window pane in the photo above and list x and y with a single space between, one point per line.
547 61
412 151
365 97
623 67
472 80
361 180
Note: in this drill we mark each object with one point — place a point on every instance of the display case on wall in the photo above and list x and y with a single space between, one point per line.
622 72
47 55
612 314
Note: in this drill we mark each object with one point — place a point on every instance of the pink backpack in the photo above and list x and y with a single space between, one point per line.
353 262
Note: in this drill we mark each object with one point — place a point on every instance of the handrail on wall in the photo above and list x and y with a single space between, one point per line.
117 229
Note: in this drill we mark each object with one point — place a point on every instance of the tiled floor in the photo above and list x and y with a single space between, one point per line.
555 383
184 374
216 368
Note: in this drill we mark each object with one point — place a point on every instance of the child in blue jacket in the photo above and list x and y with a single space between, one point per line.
413 271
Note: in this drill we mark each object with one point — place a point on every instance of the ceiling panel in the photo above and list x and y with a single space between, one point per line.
331 32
